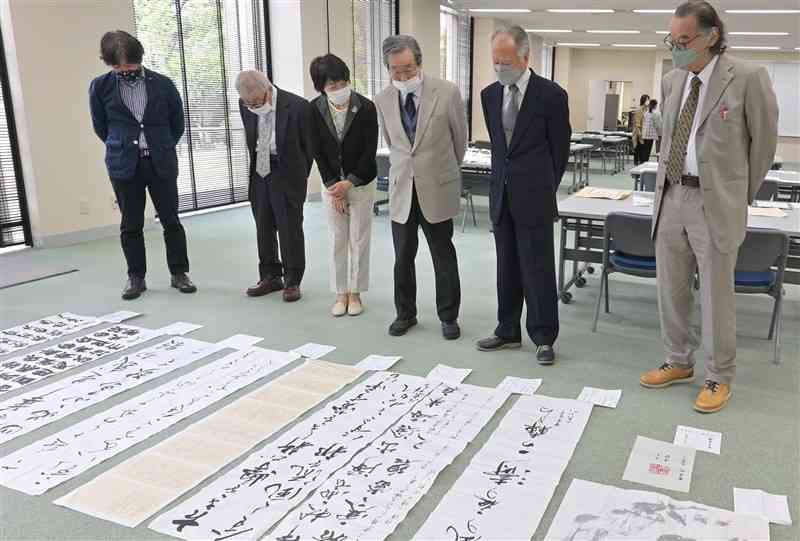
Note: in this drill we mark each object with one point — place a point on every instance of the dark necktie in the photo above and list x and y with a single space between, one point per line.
683 129
510 113
410 117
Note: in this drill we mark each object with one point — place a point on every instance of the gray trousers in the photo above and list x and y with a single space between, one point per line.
683 244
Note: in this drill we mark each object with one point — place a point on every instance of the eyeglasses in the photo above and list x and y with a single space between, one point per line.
672 44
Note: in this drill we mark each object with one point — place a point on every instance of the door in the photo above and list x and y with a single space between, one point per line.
595 110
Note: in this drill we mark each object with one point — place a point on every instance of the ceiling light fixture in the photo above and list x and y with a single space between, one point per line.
548 30
762 11
756 47
635 45
578 44
758 33
581 11
614 31
652 11
498 10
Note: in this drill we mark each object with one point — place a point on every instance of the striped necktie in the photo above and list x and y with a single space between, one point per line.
680 137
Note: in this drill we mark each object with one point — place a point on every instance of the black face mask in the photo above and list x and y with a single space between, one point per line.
129 77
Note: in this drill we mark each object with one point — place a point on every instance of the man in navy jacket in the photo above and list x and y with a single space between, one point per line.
527 117
138 114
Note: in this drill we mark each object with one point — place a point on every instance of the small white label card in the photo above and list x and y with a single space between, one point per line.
697 438
313 351
523 386
773 507
378 362
240 341
608 398
119 317
179 328
448 374
660 464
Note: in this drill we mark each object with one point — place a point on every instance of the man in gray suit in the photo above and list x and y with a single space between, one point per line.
424 123
720 133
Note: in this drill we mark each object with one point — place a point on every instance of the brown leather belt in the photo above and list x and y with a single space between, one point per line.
688 180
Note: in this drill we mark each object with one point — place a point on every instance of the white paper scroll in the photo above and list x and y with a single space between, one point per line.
524 386
449 374
23 370
136 489
247 501
378 362
591 511
35 409
313 350
370 496
773 507
42 330
697 438
507 486
49 462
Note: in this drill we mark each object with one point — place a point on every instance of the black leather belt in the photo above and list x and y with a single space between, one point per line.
688 180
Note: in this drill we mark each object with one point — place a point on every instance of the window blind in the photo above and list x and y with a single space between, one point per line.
202 45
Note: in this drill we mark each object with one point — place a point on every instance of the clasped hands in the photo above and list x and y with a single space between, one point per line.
339 193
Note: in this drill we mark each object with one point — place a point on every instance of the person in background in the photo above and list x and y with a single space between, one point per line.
651 130
720 134
424 125
527 117
638 122
138 114
278 126
346 141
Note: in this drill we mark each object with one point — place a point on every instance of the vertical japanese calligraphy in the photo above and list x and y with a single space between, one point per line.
23 370
507 486
247 501
136 489
38 408
49 462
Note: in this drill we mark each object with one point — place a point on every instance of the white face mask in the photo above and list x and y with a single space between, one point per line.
339 97
507 75
410 86
263 110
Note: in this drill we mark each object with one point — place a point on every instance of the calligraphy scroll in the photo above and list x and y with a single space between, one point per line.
43 330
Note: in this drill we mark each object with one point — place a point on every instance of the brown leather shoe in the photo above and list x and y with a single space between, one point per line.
292 294
665 375
264 287
713 397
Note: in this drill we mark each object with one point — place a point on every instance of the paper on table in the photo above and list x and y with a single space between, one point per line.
660 464
524 386
608 398
773 507
448 374
696 438
767 212
119 317
603 193
240 341
378 362
642 201
179 328
313 350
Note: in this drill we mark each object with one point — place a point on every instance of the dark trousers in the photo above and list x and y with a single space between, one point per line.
526 269
642 152
445 264
131 197
277 218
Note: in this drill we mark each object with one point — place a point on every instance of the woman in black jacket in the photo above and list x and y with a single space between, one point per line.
346 133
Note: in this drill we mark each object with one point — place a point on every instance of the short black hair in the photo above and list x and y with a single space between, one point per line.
328 68
119 47
707 18
652 105
644 99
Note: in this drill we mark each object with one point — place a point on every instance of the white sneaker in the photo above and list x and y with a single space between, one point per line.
354 306
339 308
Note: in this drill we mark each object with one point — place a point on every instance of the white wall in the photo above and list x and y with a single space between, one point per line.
52 51
420 18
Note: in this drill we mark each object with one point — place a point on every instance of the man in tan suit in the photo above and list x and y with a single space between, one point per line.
424 123
720 133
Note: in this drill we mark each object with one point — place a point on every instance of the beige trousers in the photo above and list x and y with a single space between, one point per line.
683 244
349 240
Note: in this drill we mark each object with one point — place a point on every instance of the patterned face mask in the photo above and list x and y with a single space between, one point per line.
129 77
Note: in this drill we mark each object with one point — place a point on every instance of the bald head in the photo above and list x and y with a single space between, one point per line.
252 85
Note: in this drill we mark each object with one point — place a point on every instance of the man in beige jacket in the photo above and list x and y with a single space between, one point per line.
424 124
720 133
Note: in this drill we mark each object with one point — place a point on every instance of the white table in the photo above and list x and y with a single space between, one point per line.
585 218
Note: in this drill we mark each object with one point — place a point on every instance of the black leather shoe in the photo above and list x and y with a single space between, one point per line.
495 343
545 355
451 330
182 283
399 327
134 288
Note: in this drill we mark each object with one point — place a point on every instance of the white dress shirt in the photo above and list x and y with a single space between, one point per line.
522 85
690 164
273 148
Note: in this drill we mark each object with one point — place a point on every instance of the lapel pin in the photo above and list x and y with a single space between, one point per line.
723 112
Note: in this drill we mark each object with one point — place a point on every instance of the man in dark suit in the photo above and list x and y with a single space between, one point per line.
138 114
278 127
528 122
